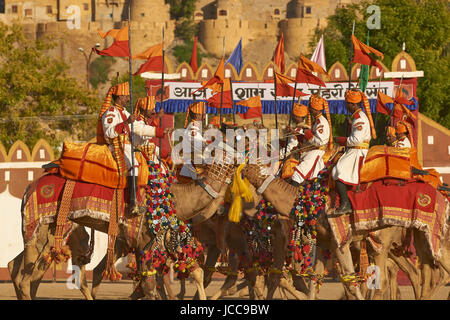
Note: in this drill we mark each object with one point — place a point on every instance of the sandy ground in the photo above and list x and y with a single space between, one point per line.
120 291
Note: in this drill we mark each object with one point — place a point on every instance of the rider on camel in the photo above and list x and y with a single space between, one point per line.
193 136
314 141
114 129
145 111
347 169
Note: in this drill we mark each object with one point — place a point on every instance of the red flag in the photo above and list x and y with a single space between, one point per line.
227 101
218 78
284 89
193 62
400 98
154 56
382 100
278 56
361 53
252 102
120 46
307 77
254 108
251 113
311 66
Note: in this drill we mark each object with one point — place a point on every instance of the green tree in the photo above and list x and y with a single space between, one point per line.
181 8
183 52
34 86
99 70
422 25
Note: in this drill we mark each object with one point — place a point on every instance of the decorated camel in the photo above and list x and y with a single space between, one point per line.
46 197
283 196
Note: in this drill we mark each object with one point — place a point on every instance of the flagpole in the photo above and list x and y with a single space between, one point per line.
221 89
133 185
376 113
350 72
276 107
262 118
232 102
162 95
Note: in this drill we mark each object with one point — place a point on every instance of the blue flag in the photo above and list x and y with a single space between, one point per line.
236 58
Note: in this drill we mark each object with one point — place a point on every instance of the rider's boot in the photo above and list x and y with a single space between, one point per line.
345 206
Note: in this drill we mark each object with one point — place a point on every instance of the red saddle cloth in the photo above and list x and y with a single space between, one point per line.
88 200
384 203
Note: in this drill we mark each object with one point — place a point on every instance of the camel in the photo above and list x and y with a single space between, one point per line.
189 200
283 195
78 243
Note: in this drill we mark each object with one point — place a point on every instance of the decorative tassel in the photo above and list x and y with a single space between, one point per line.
363 259
239 189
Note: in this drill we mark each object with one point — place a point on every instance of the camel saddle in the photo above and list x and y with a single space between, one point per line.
94 163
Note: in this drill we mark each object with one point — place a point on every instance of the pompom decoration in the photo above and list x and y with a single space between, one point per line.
258 235
162 219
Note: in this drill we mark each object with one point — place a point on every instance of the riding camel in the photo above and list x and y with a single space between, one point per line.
189 199
282 195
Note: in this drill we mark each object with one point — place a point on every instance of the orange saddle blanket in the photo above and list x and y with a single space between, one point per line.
94 163
386 162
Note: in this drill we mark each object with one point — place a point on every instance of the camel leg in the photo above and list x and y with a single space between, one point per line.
279 254
411 271
344 257
182 292
282 291
208 269
97 276
160 285
34 261
84 288
392 269
426 263
15 268
259 287
197 275
319 268
287 285
230 280
168 287
381 263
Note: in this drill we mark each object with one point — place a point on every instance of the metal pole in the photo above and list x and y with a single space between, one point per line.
133 185
276 107
232 101
162 95
350 75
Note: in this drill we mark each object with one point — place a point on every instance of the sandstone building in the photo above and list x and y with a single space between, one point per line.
249 19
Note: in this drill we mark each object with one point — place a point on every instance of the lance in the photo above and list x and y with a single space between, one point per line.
350 74
232 102
133 185
379 88
276 107
221 89
290 117
162 95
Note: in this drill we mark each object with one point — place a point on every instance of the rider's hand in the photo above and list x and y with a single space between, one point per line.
130 119
160 114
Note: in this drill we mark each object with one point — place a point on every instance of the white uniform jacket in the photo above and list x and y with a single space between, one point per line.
192 137
349 165
311 162
113 126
